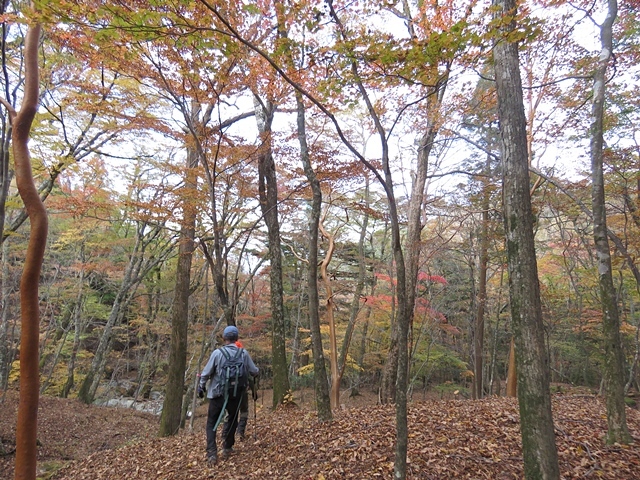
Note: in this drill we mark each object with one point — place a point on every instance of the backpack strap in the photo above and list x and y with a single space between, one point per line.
235 386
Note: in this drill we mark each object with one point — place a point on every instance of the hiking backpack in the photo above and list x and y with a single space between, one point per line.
234 376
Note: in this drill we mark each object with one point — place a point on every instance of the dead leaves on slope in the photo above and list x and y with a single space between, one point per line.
447 439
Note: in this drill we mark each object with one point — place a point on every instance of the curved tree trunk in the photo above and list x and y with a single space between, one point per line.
536 422
27 425
613 375
333 341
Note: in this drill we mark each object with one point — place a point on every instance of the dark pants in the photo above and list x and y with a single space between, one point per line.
242 420
215 409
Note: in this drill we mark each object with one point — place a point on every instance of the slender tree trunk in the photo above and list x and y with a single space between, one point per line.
333 342
174 391
295 346
5 133
412 246
136 270
536 422
478 388
388 382
44 385
89 385
613 357
323 399
5 174
6 356
636 356
512 371
27 424
357 294
268 193
78 329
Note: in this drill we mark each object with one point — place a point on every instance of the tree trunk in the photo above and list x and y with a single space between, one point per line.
512 372
357 294
323 399
137 268
617 431
333 342
89 385
27 423
268 194
5 139
636 356
478 339
78 329
172 407
6 356
390 369
536 422
413 243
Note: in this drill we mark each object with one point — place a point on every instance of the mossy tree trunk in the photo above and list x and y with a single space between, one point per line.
174 391
536 422
268 196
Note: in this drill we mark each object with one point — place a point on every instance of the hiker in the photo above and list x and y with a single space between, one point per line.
244 406
228 369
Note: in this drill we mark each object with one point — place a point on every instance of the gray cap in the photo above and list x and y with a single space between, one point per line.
230 333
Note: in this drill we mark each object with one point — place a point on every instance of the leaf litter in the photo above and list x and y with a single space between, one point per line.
462 439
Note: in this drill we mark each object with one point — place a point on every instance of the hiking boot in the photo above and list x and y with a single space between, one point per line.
212 459
226 453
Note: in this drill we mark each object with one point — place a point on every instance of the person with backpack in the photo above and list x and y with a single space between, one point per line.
244 406
228 370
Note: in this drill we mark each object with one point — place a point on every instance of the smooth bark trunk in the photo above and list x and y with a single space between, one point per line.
613 371
333 341
27 423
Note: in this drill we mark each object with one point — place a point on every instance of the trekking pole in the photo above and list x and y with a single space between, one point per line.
256 385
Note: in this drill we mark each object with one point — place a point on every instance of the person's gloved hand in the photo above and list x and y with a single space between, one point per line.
202 391
254 395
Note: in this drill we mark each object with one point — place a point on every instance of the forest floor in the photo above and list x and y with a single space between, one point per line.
448 439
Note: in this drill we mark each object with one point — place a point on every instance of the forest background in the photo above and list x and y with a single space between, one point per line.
172 130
